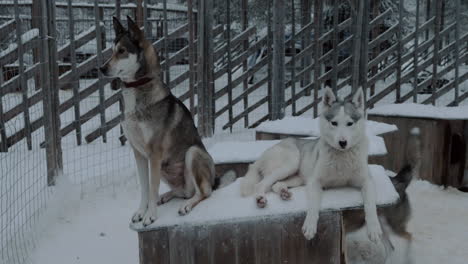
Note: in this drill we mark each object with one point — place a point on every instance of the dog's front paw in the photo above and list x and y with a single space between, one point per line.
150 217
138 215
309 228
374 232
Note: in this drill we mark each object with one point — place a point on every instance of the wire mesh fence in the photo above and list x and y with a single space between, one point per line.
234 64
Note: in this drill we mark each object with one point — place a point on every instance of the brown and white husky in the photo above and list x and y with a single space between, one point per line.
159 127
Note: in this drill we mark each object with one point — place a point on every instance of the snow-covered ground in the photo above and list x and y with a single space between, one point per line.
95 229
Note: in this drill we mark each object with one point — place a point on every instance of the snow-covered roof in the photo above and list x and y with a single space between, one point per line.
227 205
296 125
422 111
242 152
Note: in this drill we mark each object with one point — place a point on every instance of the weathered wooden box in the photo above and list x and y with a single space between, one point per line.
443 143
268 240
228 228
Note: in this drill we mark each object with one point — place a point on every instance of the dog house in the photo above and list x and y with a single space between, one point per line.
444 131
228 228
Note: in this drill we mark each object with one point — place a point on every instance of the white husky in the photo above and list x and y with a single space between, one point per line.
338 158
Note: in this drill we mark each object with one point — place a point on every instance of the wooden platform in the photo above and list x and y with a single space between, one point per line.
444 132
227 228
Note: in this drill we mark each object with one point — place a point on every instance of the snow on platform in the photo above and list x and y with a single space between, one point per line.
226 204
422 111
296 125
243 152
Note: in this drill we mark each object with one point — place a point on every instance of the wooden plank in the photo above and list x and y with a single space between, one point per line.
12 84
75 79
6 28
457 49
383 37
167 68
246 112
437 42
415 56
341 26
237 40
229 62
22 133
358 15
83 39
400 51
335 42
364 56
318 49
243 56
153 246
305 34
243 76
182 237
11 55
99 61
192 56
244 94
205 85
446 88
92 113
179 79
245 46
103 129
23 81
380 18
292 62
17 109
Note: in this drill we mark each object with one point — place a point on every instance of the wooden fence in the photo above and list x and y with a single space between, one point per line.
235 76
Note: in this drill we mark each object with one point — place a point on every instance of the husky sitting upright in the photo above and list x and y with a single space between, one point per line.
159 127
338 158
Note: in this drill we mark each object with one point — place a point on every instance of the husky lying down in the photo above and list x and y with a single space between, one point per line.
338 158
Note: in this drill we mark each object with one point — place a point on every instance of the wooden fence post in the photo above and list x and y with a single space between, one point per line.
205 86
277 91
36 23
306 8
49 80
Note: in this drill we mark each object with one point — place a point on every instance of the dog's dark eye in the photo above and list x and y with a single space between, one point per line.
349 124
121 51
334 123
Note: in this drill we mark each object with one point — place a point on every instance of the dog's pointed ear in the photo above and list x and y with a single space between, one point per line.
328 97
134 30
358 99
118 28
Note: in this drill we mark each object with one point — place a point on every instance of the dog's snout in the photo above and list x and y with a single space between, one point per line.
103 69
343 143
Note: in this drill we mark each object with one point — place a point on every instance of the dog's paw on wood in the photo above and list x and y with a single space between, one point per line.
166 197
282 190
150 217
261 201
285 194
185 209
138 215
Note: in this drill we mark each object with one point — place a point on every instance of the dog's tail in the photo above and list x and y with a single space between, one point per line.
412 163
251 178
226 179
